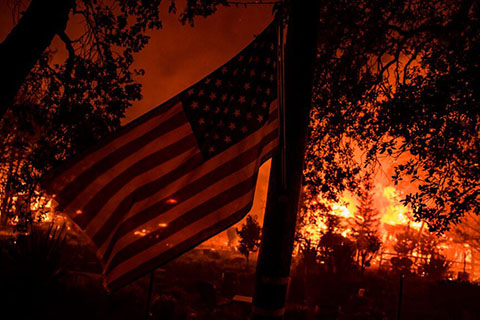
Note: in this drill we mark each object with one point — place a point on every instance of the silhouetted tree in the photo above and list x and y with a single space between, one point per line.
432 264
250 235
427 245
319 236
365 227
335 251
113 32
406 242
307 233
435 267
60 109
309 253
25 44
313 213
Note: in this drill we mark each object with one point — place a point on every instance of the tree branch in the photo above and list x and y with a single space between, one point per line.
71 51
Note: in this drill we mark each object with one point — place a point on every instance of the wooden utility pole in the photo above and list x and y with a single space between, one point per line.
273 266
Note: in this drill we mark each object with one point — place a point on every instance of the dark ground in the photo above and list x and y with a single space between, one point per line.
201 285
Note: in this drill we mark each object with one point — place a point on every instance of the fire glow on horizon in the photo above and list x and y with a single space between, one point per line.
387 203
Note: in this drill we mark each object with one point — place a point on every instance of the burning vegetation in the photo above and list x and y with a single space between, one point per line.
375 231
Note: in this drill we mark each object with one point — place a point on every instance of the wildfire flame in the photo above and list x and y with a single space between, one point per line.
394 219
395 213
341 211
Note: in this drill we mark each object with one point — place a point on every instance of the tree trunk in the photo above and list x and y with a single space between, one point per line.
22 48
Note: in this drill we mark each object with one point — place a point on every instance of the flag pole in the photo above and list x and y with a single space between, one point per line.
273 266
149 294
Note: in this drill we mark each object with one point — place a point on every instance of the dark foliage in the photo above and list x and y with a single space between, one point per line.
250 235
398 80
436 267
335 251
418 252
62 109
365 227
31 269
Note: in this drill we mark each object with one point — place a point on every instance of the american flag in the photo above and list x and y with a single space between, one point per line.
179 174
